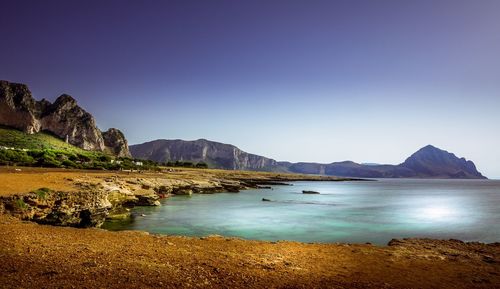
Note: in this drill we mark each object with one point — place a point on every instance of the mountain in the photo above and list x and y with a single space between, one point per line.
428 162
63 118
216 155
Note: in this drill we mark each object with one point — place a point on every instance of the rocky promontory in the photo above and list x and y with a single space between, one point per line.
63 118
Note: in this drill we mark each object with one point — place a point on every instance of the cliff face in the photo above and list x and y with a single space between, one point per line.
17 108
115 141
217 155
63 118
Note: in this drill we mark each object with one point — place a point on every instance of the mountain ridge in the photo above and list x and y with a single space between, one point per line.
427 162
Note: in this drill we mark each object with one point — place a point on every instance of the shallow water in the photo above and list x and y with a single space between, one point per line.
354 212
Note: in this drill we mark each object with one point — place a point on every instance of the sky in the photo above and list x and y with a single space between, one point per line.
313 80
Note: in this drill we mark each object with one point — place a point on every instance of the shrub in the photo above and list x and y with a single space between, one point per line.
20 204
201 165
42 193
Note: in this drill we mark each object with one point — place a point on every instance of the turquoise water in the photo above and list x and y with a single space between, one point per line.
355 212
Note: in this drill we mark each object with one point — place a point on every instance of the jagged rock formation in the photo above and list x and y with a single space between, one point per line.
115 141
217 155
428 162
64 118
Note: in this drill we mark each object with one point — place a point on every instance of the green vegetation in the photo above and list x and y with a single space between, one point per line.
183 164
45 150
21 205
42 193
14 138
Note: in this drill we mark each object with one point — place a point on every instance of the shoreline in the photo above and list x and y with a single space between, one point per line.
83 198
34 255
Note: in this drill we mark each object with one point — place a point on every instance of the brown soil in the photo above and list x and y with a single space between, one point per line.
40 256
22 180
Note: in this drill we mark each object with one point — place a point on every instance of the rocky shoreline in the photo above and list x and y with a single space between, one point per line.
42 256
98 197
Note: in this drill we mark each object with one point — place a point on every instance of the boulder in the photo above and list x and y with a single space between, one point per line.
310 192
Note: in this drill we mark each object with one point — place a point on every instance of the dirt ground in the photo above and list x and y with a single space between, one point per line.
41 256
19 180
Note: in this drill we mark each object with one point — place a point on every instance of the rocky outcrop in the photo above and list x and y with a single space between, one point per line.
89 206
98 198
310 192
116 142
78 209
17 108
64 118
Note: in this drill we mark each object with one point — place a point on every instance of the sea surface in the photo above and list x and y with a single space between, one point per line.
354 212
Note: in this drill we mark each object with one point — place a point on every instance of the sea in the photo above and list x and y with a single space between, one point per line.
350 212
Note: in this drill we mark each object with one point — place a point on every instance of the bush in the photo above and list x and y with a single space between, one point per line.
68 159
202 165
20 204
42 193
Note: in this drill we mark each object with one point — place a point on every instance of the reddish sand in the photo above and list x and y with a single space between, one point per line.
39 256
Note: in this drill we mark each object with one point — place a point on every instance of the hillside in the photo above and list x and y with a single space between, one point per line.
13 138
43 149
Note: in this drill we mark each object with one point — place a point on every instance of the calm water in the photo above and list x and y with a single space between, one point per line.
344 212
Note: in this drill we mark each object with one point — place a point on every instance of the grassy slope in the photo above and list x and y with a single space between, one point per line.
47 150
14 138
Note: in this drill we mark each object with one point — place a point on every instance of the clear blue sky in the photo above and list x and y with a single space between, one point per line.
368 81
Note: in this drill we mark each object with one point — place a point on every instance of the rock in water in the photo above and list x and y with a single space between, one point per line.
64 118
310 192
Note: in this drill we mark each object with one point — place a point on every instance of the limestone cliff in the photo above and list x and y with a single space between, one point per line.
64 118
217 155
116 142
